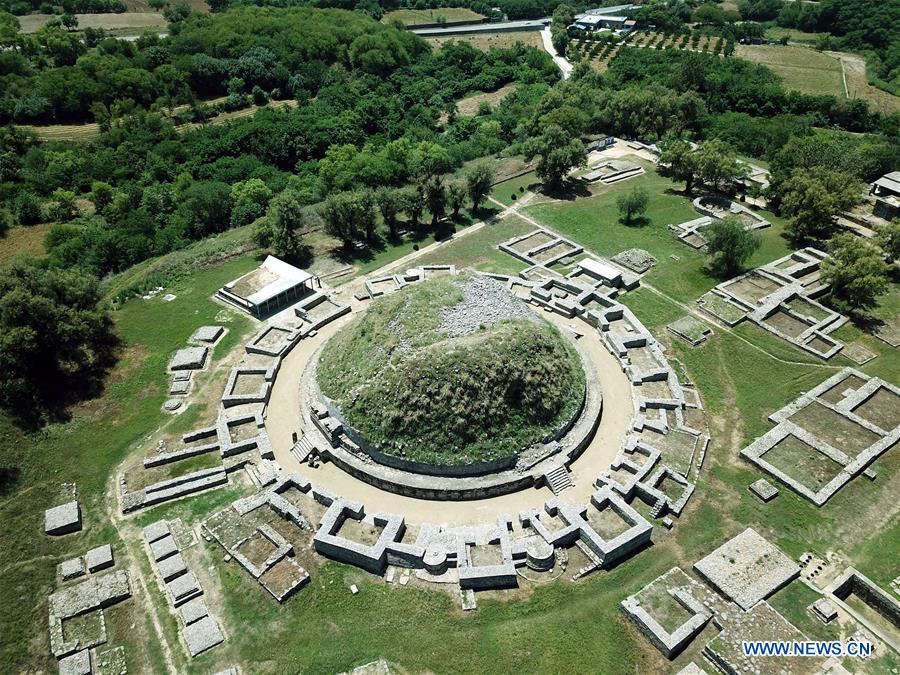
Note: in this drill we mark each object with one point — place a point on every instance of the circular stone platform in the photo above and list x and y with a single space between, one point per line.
452 377
288 398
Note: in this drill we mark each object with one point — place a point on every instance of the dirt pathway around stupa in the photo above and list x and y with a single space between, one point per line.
284 417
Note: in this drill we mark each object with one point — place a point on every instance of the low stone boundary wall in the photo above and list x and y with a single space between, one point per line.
511 474
854 582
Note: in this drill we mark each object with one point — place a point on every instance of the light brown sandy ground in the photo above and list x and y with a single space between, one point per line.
31 23
283 418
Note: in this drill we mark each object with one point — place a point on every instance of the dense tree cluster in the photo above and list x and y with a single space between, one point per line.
369 117
856 273
869 26
54 340
735 85
712 163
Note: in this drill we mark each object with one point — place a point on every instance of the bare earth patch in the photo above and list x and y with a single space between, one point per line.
488 41
31 23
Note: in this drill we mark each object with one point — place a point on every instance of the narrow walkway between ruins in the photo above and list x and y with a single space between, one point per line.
135 574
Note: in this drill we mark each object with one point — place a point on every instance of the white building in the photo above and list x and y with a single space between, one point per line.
270 287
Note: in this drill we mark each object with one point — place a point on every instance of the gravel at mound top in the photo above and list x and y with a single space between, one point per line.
485 302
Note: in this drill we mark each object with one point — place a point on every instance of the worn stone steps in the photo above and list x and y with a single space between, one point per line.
559 479
302 449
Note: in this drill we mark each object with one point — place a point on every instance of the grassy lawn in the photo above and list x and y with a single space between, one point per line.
594 223
680 269
31 23
794 35
887 364
479 249
387 250
86 449
504 192
487 41
420 16
23 241
800 68
557 626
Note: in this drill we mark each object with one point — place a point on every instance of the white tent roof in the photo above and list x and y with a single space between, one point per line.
288 277
600 270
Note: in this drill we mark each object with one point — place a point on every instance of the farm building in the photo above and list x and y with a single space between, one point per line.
605 18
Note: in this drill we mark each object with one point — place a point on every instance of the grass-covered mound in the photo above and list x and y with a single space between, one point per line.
452 371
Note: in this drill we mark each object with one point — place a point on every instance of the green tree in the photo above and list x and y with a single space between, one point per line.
350 215
563 17
64 207
101 194
390 203
205 207
436 198
431 159
27 208
717 165
856 272
249 199
678 162
710 14
55 339
479 179
6 221
279 230
413 198
632 205
456 197
814 197
888 238
559 153
729 245
365 211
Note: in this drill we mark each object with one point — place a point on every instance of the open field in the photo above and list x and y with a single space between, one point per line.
32 22
793 35
479 250
86 132
859 87
800 68
488 41
23 240
509 191
467 107
414 17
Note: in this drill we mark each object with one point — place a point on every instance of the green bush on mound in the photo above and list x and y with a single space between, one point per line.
414 391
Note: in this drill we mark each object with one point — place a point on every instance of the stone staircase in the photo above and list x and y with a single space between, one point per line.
659 509
302 449
558 479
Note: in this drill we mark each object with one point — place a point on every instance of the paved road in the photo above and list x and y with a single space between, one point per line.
561 62
475 29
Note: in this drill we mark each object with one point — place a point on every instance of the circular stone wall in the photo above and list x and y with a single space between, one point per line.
453 376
